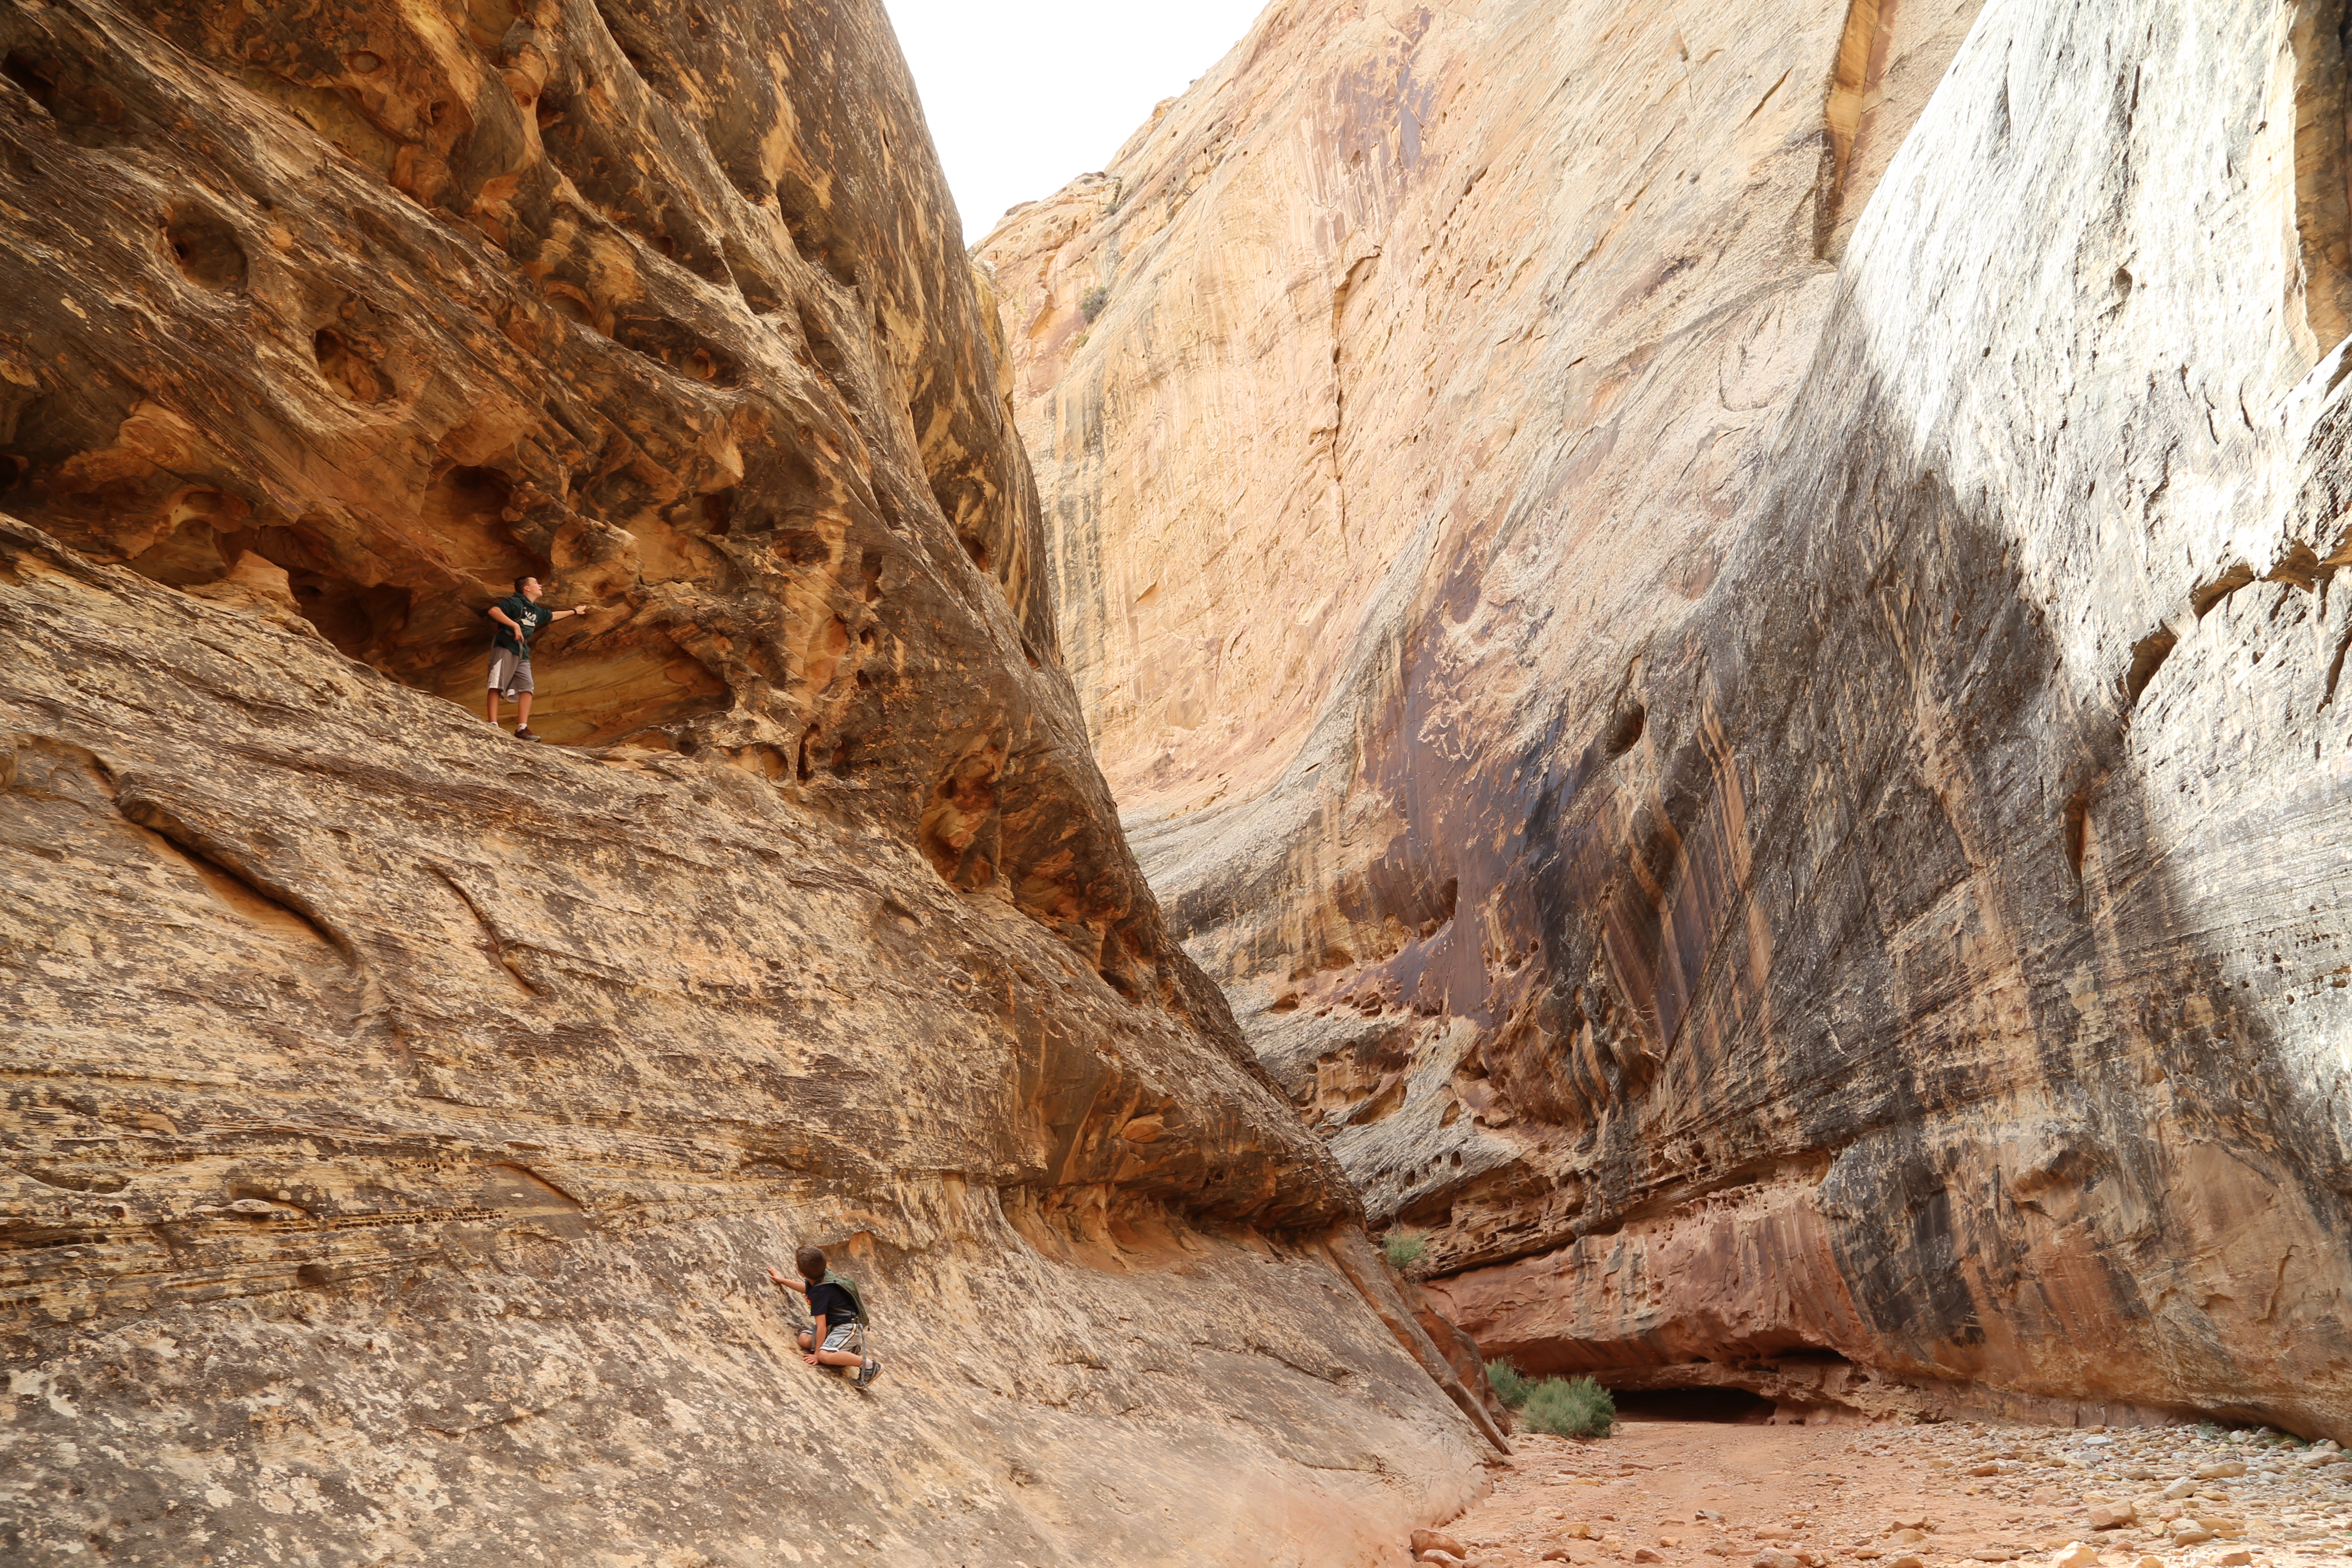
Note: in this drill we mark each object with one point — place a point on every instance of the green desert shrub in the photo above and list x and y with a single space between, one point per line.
1404 1248
1566 1408
1091 303
1510 1384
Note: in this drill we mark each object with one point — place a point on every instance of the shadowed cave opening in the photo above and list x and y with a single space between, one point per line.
1735 1406
421 619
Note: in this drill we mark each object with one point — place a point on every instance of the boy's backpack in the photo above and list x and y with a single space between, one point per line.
856 1299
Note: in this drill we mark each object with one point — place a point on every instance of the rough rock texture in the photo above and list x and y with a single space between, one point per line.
1952 1493
398 1118
1718 623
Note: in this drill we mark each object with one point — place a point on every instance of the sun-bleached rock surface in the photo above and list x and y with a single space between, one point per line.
400 1118
1718 623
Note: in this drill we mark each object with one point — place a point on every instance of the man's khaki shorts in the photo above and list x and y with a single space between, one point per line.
509 672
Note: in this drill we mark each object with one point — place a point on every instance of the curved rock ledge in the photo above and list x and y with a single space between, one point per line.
398 1118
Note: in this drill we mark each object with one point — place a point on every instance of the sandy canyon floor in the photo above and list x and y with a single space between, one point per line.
1939 1496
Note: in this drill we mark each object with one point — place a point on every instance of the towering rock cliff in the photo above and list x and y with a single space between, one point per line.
399 1117
1719 622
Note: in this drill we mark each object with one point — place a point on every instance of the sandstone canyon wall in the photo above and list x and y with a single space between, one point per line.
1718 623
399 1117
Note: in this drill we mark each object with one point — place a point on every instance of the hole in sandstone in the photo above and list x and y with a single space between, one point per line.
204 249
417 616
2078 830
2149 655
345 368
1625 730
569 304
2205 595
36 74
719 513
820 346
2300 567
977 549
958 826
71 97
751 281
870 571
1735 1405
676 346
363 62
818 238
803 547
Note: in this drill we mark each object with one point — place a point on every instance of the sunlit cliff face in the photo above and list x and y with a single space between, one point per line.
1719 627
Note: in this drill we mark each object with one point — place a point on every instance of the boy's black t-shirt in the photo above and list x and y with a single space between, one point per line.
526 616
832 1302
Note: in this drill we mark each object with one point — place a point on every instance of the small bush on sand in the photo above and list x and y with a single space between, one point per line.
1404 1248
1569 1409
1511 1386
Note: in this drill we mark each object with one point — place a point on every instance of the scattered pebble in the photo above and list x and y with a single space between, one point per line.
1951 1495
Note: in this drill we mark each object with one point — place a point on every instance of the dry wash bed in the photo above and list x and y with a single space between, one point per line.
1908 1497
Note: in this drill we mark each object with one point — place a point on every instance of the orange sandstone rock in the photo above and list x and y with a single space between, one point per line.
1719 626
400 1121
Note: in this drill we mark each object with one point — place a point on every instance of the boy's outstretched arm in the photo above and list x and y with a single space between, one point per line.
786 1284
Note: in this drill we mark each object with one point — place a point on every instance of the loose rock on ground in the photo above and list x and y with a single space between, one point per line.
1942 1496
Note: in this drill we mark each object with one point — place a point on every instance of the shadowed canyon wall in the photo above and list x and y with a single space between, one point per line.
1720 629
399 1119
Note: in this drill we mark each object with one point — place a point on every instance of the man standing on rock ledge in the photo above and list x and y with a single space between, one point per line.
521 615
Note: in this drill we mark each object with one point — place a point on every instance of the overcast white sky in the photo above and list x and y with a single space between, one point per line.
1023 96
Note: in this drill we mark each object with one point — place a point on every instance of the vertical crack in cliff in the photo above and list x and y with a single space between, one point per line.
1339 297
2323 198
2335 665
1853 93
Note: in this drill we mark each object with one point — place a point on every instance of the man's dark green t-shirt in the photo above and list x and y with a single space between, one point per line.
526 616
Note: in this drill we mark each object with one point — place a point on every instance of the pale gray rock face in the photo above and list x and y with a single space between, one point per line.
399 1119
1807 844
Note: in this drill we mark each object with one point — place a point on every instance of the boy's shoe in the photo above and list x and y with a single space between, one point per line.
868 1374
526 734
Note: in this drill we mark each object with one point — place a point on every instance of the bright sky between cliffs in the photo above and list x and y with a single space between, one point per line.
1024 96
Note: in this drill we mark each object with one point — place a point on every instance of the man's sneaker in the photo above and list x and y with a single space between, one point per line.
526 734
868 1374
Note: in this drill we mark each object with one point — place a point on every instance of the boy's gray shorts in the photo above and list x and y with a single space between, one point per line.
838 1336
509 671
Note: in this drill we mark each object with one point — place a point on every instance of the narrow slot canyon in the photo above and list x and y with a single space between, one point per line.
1566 787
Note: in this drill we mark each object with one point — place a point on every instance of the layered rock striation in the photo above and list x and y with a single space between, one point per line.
400 1120
1720 629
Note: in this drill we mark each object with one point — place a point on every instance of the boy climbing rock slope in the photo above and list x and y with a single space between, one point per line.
839 1318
